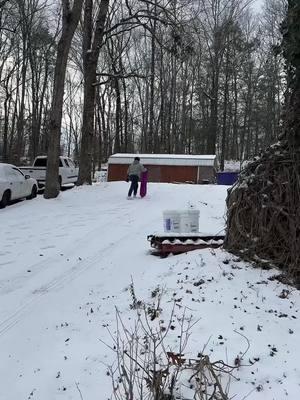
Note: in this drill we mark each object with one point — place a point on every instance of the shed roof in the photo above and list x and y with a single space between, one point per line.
164 159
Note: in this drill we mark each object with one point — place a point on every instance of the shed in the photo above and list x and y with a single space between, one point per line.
170 168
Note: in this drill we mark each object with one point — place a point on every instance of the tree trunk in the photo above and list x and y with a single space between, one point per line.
127 139
69 24
118 135
214 109
91 50
20 120
224 127
151 141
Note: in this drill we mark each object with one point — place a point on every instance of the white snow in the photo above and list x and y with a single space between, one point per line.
66 263
235 166
164 159
163 155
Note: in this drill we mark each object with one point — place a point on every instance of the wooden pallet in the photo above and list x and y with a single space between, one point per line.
167 243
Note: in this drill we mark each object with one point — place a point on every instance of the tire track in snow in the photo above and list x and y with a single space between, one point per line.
72 273
47 262
56 283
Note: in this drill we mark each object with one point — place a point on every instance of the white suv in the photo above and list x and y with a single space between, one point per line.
15 185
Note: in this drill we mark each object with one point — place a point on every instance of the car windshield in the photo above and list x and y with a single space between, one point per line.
71 163
18 171
41 162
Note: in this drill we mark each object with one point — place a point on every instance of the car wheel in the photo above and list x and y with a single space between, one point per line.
5 199
60 182
33 193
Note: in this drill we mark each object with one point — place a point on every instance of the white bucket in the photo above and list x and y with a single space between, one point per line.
171 221
189 221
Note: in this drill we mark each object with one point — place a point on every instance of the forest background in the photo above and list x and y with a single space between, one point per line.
181 76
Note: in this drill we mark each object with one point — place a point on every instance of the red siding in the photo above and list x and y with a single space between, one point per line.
117 172
178 174
164 173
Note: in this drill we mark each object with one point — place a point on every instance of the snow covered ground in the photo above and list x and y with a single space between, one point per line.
66 263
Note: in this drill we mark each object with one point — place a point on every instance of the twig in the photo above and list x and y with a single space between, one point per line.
77 385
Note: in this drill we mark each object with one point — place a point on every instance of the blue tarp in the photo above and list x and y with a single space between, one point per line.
227 178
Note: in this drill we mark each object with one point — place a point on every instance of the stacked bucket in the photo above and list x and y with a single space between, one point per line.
181 221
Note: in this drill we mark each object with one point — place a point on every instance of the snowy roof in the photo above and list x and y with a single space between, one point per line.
164 159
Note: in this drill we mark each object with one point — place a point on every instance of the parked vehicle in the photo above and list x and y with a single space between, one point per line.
68 173
15 185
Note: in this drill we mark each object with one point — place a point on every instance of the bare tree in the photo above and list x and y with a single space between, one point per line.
70 19
92 41
180 76
263 207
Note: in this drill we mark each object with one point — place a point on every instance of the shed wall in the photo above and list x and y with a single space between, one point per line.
165 173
